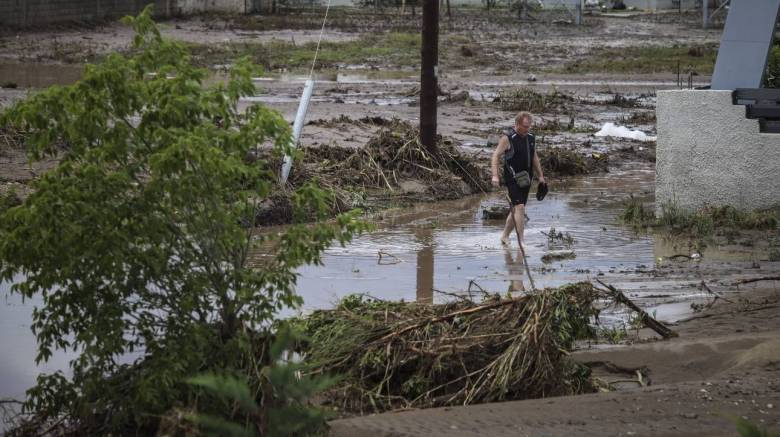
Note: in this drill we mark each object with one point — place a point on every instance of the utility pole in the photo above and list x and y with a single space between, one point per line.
429 72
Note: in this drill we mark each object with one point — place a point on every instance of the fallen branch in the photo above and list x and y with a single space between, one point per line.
648 321
395 260
455 295
472 282
765 278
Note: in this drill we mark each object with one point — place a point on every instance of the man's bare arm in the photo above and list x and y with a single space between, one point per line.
503 145
538 167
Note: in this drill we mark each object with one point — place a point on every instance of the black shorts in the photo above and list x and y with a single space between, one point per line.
519 196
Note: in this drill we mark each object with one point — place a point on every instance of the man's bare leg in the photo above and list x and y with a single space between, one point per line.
520 220
509 227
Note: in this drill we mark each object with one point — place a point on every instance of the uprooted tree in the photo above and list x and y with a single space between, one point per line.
137 248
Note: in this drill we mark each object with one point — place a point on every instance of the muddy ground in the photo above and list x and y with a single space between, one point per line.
486 59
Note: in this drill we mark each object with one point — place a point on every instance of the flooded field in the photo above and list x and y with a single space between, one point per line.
432 252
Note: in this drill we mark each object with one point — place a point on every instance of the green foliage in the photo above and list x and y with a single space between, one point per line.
8 200
289 415
613 334
134 243
699 223
557 238
772 75
636 213
746 428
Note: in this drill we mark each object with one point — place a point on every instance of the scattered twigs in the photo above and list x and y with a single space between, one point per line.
648 321
473 283
715 294
394 259
452 315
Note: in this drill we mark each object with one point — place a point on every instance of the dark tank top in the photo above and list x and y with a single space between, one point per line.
520 154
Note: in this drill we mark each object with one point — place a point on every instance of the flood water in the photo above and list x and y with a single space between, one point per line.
448 247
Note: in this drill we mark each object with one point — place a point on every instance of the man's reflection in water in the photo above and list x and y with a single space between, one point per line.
515 270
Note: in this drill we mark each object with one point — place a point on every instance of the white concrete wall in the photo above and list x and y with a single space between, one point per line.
709 154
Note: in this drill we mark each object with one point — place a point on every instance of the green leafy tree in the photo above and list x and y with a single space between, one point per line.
134 241
772 76
289 416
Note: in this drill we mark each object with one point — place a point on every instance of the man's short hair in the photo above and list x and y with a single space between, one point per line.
523 115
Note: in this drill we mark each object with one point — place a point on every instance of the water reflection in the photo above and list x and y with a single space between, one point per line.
424 237
515 268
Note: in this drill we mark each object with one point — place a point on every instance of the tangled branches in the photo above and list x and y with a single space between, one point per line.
396 355
394 155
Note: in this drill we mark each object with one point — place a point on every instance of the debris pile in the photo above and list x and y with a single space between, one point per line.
400 355
558 161
526 99
392 156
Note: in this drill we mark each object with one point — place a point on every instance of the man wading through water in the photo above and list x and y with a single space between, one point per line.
517 148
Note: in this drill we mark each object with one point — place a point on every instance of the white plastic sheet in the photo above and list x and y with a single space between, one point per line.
613 130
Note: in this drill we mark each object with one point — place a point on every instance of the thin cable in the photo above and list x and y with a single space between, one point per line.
314 61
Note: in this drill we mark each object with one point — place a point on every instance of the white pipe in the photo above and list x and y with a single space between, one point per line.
303 107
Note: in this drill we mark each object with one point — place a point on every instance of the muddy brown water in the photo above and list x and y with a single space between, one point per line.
448 246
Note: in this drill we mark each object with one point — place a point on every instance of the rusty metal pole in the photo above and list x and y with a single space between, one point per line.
429 73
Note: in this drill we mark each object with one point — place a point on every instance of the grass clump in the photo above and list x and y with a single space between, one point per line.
635 212
559 256
700 59
403 355
558 238
704 222
772 76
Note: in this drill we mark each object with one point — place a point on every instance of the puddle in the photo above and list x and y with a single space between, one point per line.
447 246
